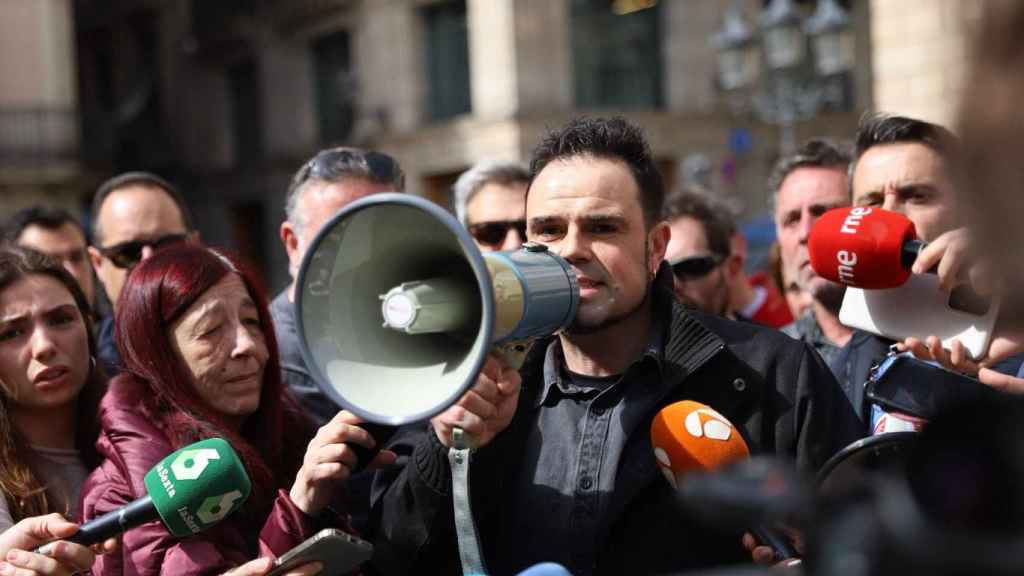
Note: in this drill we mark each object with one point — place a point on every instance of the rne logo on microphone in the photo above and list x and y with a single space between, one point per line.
848 259
715 426
853 220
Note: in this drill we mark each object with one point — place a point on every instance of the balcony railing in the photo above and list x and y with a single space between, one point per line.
39 135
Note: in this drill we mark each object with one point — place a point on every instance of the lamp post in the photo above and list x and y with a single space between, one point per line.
804 62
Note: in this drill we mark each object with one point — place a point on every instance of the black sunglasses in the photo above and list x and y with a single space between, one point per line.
494 233
694 267
335 163
128 254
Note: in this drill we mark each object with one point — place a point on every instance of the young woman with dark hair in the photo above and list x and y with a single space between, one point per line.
49 390
49 387
200 360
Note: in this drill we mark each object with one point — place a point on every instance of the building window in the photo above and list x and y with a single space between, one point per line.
617 61
447 39
244 85
335 87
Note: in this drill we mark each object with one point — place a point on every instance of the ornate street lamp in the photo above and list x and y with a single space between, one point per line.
738 57
793 86
832 37
782 28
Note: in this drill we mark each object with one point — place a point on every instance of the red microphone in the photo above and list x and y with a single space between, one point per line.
864 247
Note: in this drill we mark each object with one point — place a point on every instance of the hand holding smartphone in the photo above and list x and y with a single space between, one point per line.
338 552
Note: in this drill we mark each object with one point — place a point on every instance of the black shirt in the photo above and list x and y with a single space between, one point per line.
573 453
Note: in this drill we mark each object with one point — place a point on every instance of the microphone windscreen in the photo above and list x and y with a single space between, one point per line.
861 247
197 486
689 436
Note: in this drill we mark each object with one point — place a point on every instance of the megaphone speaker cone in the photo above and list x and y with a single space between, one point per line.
397 308
369 249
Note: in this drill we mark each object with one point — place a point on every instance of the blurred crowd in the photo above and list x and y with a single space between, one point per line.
193 347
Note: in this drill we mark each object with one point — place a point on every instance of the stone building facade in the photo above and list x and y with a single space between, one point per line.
227 98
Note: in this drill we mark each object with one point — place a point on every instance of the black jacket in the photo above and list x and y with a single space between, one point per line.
776 390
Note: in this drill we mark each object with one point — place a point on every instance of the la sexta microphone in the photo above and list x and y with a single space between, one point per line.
687 437
863 247
188 491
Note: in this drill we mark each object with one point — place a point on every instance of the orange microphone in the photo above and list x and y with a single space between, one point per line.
688 436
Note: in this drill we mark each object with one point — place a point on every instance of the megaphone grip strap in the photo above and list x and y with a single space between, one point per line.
465 526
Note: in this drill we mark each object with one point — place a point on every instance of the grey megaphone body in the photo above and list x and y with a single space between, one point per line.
396 308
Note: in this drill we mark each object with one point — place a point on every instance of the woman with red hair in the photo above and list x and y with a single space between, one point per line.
200 360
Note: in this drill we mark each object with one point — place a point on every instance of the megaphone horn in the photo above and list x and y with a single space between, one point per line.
397 308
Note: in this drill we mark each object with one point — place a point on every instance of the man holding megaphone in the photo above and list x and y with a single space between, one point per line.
563 469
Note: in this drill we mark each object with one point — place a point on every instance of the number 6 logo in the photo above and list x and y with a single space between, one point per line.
190 464
215 508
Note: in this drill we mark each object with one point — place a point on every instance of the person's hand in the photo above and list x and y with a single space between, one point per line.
1006 342
948 254
329 459
63 558
485 409
261 566
765 556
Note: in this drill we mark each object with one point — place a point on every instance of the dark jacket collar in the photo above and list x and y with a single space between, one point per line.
689 344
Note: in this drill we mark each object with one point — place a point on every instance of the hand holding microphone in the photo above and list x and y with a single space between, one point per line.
64 557
188 491
688 437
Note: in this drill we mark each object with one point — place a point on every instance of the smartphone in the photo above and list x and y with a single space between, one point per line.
904 384
339 553
919 308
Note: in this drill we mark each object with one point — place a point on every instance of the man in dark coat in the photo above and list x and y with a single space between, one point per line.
565 471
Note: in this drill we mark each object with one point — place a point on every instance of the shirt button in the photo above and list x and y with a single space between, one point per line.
586 483
739 384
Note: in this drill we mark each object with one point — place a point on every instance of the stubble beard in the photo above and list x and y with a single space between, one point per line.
579 328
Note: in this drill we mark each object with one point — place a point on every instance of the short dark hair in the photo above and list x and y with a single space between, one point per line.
46 217
814 153
880 128
336 164
716 218
145 179
610 138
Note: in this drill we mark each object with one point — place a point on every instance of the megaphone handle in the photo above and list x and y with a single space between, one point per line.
381 434
459 455
513 353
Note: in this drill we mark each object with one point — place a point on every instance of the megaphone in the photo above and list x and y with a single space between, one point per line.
396 308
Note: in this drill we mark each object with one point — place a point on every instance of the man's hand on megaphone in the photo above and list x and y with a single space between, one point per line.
329 459
486 409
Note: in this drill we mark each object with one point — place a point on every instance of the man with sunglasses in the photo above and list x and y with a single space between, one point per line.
320 189
707 255
133 215
490 201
